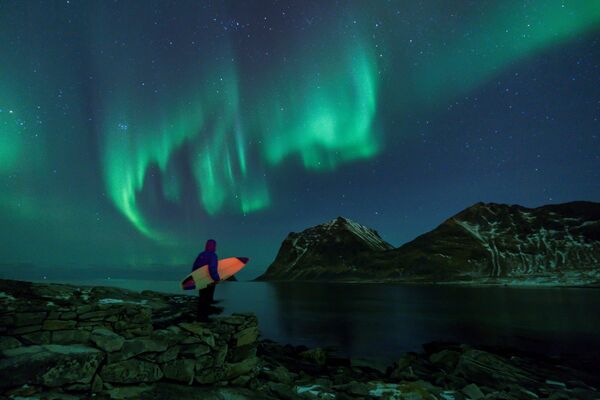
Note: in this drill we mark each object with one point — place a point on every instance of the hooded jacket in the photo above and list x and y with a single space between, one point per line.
208 256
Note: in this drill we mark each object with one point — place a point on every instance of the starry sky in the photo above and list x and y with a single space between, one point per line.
132 131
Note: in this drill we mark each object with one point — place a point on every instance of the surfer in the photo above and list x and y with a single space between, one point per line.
206 295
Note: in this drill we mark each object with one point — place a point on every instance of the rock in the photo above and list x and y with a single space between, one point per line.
84 309
180 370
209 375
26 329
29 318
353 388
107 340
473 392
241 380
57 324
68 315
168 355
221 355
97 384
8 342
279 374
242 368
70 336
446 359
50 365
233 320
317 356
368 364
128 392
491 370
96 315
282 391
194 350
237 354
133 347
131 371
246 336
197 328
37 337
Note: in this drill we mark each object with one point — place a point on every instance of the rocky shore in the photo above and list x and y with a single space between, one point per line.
67 342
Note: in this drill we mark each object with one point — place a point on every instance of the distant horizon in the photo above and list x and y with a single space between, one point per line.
159 271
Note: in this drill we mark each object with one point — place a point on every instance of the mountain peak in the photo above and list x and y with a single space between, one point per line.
327 248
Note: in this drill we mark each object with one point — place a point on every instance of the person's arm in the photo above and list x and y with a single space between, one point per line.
212 268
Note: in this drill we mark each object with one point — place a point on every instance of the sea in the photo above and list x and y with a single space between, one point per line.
381 321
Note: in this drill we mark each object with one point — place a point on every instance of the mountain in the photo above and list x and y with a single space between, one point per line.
553 244
331 251
497 241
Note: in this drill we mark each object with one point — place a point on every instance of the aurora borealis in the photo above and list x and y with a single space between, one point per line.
132 131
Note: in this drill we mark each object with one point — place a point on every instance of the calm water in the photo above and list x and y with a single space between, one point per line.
381 321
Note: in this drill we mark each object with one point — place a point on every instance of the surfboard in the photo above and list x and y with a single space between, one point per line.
200 278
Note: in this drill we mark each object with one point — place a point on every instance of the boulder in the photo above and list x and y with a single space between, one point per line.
131 371
446 359
473 392
49 365
107 340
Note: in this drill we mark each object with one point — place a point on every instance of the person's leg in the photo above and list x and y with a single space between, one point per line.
210 293
203 303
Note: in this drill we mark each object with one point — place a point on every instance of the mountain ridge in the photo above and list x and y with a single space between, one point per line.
486 242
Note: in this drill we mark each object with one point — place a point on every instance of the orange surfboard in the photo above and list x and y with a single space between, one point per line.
200 278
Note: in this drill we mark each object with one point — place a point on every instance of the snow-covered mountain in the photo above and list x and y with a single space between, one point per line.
328 251
554 244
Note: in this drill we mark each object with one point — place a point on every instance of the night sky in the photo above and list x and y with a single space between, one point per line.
132 131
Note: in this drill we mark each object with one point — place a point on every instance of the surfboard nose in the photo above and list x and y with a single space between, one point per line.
243 259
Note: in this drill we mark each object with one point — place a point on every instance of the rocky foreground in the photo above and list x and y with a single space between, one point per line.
66 342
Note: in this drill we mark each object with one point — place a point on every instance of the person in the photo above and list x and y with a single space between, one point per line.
206 295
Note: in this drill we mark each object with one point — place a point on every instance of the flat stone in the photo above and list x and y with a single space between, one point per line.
131 371
197 328
84 309
68 315
40 337
70 336
194 350
8 342
180 370
143 345
29 318
246 336
57 324
100 314
107 340
26 329
49 365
